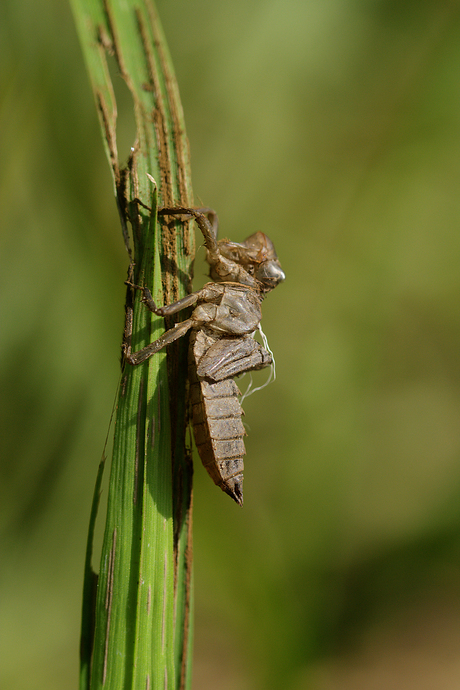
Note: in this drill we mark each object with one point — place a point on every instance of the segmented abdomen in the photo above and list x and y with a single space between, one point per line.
217 426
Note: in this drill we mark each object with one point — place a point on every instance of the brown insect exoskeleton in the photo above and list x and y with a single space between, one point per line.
222 345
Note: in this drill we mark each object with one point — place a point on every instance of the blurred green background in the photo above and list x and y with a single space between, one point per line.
334 127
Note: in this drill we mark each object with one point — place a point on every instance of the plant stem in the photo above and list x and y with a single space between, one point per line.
142 629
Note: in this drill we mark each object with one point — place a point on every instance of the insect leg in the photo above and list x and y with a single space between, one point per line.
170 336
206 294
208 229
212 217
187 301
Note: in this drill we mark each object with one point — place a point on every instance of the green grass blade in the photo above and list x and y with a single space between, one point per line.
142 634
89 589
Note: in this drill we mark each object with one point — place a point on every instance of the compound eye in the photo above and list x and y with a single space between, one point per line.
270 273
